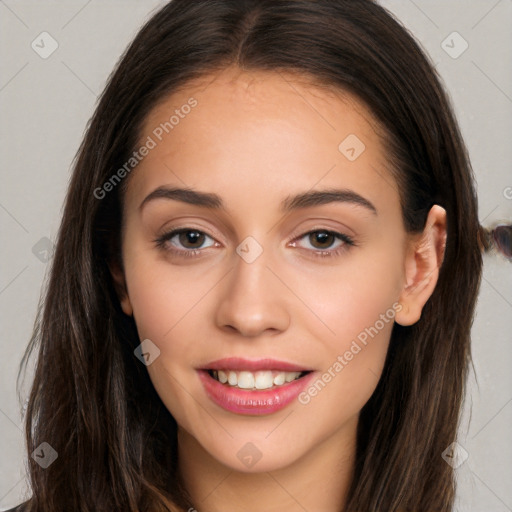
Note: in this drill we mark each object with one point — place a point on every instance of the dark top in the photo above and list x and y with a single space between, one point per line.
19 508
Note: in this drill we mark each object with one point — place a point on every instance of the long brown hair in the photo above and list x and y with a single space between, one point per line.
92 401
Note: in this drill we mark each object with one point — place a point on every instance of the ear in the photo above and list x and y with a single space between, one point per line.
120 285
423 260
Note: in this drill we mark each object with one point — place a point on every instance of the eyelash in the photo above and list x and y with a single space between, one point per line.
160 242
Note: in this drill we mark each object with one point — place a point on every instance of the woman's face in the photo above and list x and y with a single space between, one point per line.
296 255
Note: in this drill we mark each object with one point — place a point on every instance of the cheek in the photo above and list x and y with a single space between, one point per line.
353 359
161 297
354 295
358 305
166 308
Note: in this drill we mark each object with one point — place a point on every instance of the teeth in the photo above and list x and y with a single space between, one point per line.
245 380
263 380
232 379
279 379
254 380
288 377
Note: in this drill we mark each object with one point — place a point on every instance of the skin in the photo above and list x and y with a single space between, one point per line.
254 139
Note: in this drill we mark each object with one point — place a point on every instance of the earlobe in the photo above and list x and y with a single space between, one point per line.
424 258
120 285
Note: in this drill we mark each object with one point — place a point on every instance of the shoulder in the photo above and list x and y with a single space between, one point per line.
19 508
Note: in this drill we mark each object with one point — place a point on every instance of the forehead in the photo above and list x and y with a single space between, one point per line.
281 130
273 94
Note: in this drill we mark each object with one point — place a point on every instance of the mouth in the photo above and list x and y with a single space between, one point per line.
253 387
259 380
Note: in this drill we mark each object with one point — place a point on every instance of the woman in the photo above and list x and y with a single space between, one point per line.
311 351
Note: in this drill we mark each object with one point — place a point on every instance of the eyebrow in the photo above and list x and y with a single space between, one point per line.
290 203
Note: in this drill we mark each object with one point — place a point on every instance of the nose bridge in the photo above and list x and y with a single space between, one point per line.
252 300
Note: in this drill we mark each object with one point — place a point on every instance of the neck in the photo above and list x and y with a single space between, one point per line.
318 480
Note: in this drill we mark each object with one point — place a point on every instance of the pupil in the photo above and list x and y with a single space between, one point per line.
323 237
190 237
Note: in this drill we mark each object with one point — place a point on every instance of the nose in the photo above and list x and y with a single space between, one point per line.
253 301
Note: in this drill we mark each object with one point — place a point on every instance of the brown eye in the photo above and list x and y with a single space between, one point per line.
185 241
191 239
323 242
321 239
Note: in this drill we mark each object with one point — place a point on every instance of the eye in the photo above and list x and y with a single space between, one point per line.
189 242
184 241
321 239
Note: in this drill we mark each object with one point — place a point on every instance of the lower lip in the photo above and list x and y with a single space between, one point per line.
256 402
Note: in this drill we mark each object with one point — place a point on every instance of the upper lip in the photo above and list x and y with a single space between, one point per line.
240 364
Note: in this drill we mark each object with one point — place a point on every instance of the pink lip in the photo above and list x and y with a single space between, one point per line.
251 365
254 402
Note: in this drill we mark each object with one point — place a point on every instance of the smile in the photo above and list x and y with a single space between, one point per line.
254 380
253 387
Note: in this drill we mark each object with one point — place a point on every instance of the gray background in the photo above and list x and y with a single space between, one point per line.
46 103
